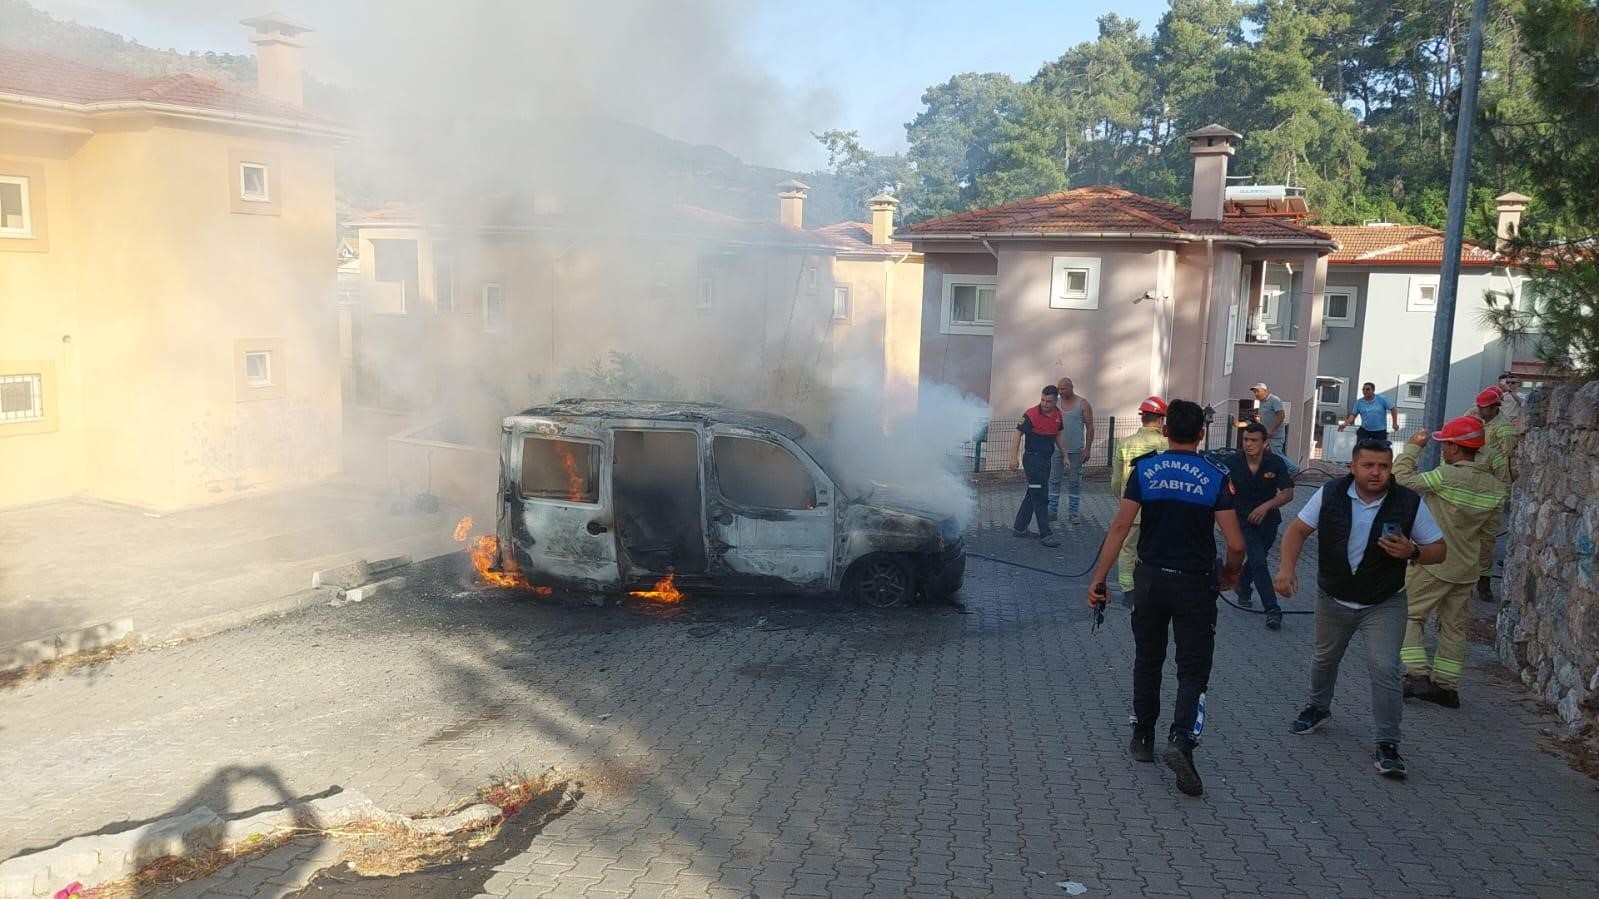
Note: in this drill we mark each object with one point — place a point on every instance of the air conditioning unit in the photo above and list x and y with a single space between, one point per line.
1327 417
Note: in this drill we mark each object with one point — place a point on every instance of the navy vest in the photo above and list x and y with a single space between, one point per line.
1380 575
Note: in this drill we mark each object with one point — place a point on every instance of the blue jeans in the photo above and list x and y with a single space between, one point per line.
1073 481
1258 539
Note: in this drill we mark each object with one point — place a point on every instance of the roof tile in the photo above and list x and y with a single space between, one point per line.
1411 245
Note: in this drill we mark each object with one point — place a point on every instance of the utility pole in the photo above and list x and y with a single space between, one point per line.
1443 322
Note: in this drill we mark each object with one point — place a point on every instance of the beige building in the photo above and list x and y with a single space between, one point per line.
1127 295
467 314
168 333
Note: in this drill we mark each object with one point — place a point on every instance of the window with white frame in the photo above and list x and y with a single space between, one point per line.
706 298
1074 283
15 219
1413 392
810 277
253 184
444 282
968 306
493 307
1271 304
1423 295
21 397
1330 391
840 303
258 368
1338 307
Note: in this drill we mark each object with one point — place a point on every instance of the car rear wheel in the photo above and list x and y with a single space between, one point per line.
881 582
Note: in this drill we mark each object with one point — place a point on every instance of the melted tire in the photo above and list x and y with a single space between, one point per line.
881 582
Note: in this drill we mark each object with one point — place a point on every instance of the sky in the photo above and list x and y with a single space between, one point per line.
844 64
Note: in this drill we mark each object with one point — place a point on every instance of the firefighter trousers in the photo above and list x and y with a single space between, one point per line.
1452 602
1127 559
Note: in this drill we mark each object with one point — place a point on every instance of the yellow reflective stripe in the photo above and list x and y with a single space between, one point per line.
1433 479
1460 496
1413 654
1448 666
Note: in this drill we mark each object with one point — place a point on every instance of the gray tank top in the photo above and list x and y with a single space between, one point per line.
1072 425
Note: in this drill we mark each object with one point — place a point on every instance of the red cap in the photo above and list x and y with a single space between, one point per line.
1153 406
1490 396
1464 431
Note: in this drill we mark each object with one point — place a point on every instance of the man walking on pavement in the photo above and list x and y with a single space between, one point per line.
1261 478
1275 419
1465 498
1077 413
1374 412
1182 499
1040 428
1149 438
1370 529
1498 452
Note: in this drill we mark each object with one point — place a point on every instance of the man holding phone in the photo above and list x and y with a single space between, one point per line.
1370 529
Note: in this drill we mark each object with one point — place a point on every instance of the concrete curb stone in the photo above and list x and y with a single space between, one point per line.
65 643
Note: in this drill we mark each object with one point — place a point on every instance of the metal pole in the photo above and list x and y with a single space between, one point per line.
1443 323
1110 443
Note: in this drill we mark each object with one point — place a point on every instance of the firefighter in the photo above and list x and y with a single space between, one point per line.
1149 438
1464 498
1498 451
1042 436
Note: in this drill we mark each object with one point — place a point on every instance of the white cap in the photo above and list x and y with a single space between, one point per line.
1260 385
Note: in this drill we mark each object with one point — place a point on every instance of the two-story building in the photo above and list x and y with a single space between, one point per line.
167 336
1127 295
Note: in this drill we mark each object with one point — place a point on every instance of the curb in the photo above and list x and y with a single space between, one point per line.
103 858
64 643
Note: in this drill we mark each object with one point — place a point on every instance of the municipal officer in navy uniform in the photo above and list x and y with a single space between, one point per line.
1181 498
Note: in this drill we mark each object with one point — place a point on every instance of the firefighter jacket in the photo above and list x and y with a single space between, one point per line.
1499 450
1464 499
1147 439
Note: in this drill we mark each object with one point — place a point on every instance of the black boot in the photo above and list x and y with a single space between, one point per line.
1179 757
1485 589
1142 747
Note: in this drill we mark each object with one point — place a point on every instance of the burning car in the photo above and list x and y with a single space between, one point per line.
612 495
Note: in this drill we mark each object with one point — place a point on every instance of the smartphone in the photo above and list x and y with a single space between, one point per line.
1391 529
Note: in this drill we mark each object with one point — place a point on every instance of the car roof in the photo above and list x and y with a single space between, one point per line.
666 410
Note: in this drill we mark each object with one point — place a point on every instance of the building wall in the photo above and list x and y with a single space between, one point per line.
167 287
963 361
1288 368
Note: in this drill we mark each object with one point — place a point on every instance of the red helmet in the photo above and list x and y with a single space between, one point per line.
1153 406
1490 396
1465 431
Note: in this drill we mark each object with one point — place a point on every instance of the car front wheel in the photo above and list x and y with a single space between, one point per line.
881 582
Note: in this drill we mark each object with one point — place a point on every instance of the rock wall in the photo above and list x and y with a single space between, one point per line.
1548 628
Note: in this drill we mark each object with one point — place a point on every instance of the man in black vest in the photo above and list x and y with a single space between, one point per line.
1182 499
1371 528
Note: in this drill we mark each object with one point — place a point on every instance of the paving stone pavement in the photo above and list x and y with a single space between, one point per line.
737 747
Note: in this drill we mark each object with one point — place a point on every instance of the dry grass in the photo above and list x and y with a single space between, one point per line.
169 870
18 676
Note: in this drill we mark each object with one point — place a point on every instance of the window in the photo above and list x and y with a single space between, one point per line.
840 303
1423 295
762 475
253 185
444 282
1074 283
969 304
1330 392
493 308
21 397
1271 304
810 277
1338 307
15 220
395 262
707 295
659 283
561 470
258 369
1413 392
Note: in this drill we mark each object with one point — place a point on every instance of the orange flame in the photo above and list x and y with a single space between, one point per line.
462 528
574 481
665 591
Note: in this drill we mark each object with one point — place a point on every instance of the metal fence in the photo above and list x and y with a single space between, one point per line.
993 443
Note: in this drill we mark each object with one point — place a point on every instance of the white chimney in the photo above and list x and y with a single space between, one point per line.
1510 207
882 207
1210 146
791 203
278 70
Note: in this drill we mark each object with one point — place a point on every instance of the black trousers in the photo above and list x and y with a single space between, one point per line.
1036 500
1186 603
1363 434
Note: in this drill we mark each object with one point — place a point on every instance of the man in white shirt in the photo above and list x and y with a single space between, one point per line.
1371 528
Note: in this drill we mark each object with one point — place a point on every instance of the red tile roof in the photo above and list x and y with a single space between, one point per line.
1101 210
1411 245
45 76
856 238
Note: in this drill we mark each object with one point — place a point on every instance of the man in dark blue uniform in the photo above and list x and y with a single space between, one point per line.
1262 484
1042 433
1181 499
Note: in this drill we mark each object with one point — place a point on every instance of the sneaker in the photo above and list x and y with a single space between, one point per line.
1076 518
1142 747
1051 541
1274 621
1021 533
1389 764
1179 757
1246 601
1310 720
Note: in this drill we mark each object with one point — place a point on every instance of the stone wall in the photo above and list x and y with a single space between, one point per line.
1548 629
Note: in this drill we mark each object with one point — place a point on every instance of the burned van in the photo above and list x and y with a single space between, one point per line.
613 495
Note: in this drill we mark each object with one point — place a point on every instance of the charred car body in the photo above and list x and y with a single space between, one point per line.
610 494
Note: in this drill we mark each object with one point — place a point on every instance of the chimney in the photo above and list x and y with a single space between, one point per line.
277 57
1210 146
882 207
1510 207
791 203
